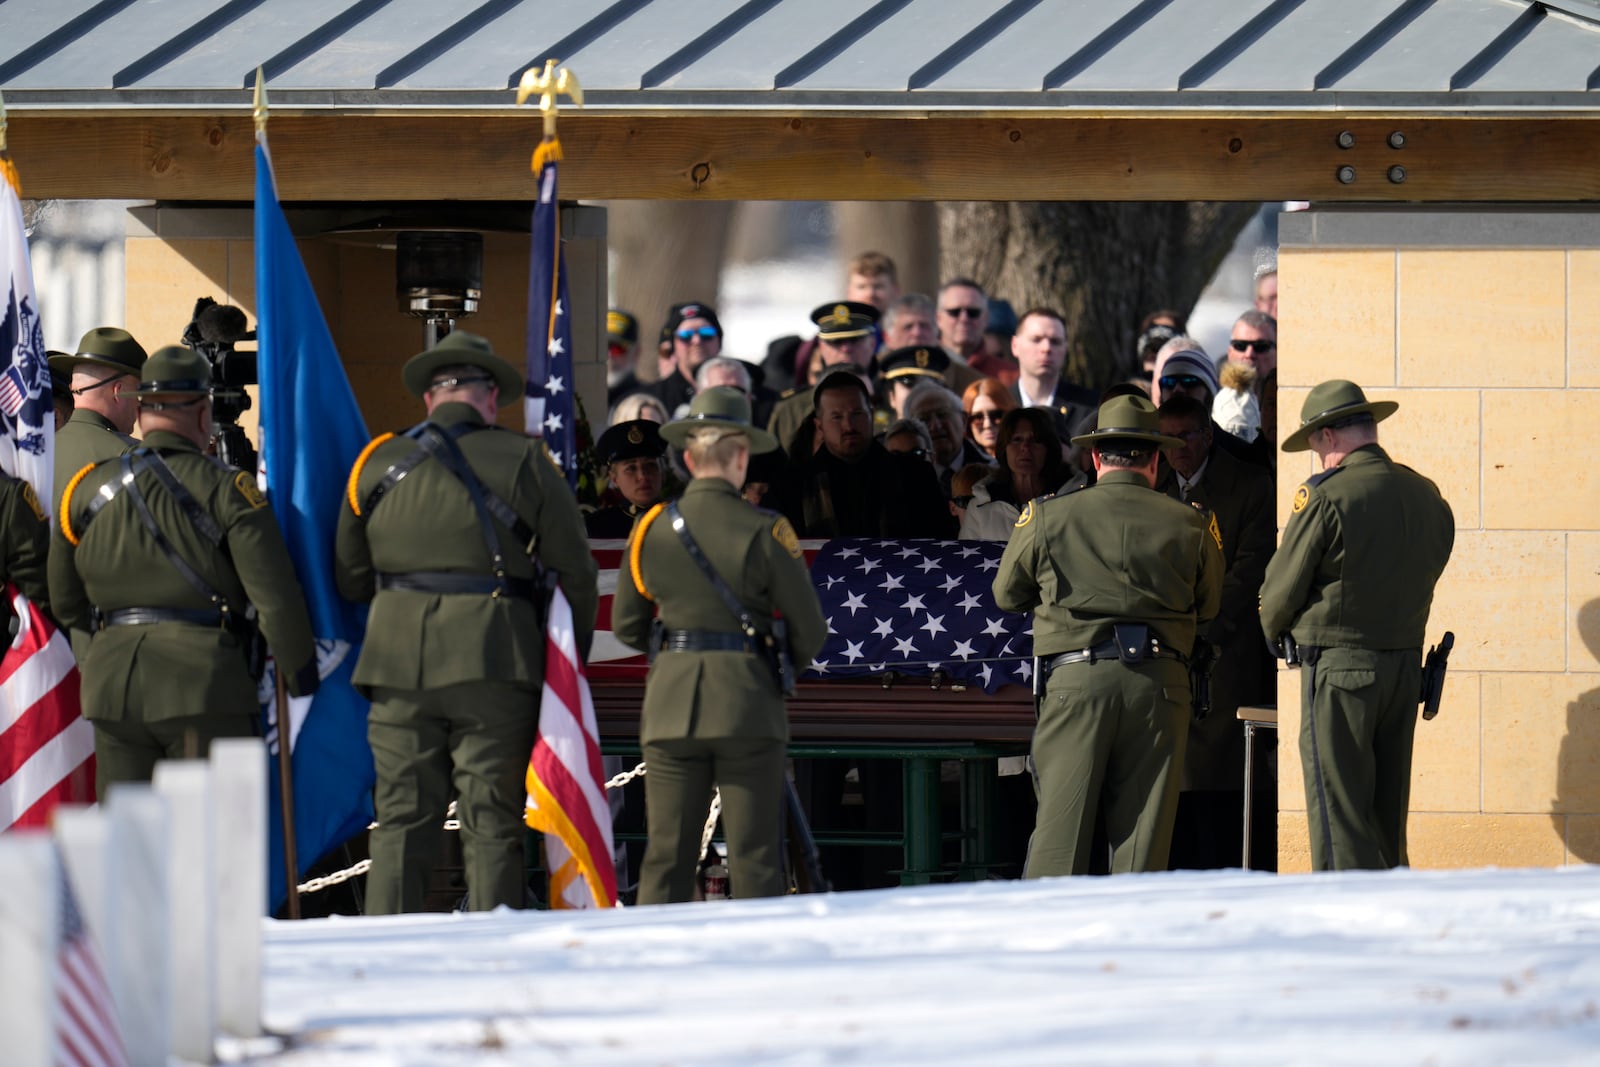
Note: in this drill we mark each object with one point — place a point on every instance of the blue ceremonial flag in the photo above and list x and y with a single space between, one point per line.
311 434
549 410
919 608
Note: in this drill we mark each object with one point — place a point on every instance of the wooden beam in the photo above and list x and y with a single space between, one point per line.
350 157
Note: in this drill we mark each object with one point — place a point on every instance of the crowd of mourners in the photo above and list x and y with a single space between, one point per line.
909 416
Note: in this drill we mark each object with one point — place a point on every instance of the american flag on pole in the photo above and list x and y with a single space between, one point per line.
566 784
549 410
86 1028
46 748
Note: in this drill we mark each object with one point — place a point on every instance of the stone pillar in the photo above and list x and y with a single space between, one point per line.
1484 325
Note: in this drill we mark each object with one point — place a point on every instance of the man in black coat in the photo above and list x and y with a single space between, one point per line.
1209 832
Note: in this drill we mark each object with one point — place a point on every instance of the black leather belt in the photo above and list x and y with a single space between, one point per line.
1105 650
452 582
151 616
705 641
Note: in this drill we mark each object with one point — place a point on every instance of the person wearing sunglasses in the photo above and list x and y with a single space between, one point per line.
985 403
963 315
1184 369
1031 465
1255 342
696 337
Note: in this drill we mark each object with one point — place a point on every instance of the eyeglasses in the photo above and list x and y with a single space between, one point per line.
987 416
968 312
705 333
1259 346
1180 381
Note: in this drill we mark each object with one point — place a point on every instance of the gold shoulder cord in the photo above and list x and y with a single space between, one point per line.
66 505
636 545
355 472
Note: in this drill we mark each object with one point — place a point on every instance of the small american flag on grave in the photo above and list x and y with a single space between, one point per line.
918 607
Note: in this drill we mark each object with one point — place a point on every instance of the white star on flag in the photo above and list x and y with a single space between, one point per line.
996 627
964 649
556 347
990 564
904 646
556 455
970 550
951 582
852 651
846 553
913 603
931 565
885 628
970 601
986 672
559 309
907 551
934 624
867 566
552 422
854 602
1025 669
891 581
555 384
831 581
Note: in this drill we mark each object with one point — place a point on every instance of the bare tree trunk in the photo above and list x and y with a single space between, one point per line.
667 252
1102 265
905 231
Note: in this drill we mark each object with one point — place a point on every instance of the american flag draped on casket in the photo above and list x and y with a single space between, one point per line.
920 608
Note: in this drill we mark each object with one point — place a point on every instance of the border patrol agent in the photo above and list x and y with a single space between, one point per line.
162 553
101 373
1353 582
714 706
24 541
1120 578
450 530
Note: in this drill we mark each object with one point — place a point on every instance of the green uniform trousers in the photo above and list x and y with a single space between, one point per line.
127 750
1359 714
473 740
677 798
1109 736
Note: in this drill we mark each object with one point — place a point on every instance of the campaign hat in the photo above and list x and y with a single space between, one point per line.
103 346
1331 402
720 405
1127 418
460 348
173 371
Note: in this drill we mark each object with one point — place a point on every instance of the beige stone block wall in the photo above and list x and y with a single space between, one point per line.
1494 358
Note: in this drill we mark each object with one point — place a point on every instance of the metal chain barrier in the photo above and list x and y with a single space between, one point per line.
315 885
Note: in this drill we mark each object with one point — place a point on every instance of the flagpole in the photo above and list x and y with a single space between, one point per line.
291 865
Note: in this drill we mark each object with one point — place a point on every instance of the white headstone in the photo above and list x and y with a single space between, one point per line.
29 920
191 899
82 832
239 794
136 946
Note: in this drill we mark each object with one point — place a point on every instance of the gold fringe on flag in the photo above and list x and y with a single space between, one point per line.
8 170
549 151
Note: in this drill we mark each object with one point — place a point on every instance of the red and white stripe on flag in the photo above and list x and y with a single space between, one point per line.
566 782
87 1034
46 747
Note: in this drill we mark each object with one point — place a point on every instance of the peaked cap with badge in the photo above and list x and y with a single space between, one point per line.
721 404
628 440
1331 402
844 319
457 349
916 361
103 346
1127 419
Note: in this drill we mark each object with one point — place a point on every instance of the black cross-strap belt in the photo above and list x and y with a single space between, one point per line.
705 641
151 616
454 582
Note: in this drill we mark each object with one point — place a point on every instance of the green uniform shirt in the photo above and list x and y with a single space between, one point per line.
1365 545
87 437
1117 551
113 562
24 539
716 694
427 522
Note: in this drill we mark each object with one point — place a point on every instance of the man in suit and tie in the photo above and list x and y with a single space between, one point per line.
1040 345
1211 807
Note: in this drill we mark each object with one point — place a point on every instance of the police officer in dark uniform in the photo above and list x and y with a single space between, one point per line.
713 707
162 553
1119 578
1352 583
631 454
103 375
445 529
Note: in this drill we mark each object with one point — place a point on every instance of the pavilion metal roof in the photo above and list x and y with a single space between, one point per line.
886 57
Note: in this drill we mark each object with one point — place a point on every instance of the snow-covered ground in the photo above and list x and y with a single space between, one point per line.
1228 968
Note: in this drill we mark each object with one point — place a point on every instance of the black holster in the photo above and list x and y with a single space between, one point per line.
1202 661
658 637
1133 641
775 650
254 644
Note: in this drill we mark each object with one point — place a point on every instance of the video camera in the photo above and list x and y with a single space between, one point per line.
212 332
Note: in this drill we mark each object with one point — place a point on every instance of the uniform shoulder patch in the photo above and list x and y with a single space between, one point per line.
1302 497
783 533
1026 516
1216 531
32 500
245 483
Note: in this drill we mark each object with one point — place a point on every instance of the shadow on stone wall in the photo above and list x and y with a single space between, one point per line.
1580 748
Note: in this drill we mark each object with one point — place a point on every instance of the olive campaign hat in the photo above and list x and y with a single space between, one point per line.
721 405
460 348
627 440
1127 418
174 371
1333 402
917 361
103 346
844 319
